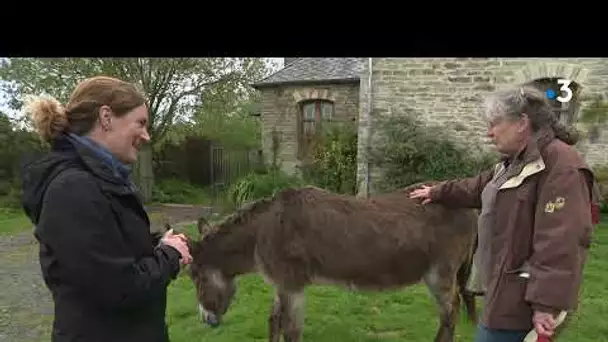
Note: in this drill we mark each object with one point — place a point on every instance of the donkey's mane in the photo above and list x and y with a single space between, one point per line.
240 215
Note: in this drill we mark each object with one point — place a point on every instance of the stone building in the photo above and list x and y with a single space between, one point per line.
309 91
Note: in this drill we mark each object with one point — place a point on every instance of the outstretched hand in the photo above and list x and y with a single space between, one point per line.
423 193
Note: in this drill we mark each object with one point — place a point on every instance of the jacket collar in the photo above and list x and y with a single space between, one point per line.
98 164
531 152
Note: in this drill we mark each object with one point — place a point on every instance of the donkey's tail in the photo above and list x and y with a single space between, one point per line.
468 297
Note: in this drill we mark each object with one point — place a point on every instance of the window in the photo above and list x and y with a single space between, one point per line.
565 112
320 110
313 114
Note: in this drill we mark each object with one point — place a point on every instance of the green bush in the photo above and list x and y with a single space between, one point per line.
601 174
258 185
15 144
409 152
333 164
178 191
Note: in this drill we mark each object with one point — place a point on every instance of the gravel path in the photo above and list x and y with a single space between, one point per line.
25 306
26 309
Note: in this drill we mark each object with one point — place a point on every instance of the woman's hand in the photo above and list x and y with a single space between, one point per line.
544 323
180 243
423 193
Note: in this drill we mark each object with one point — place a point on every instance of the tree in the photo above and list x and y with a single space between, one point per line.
174 87
225 115
15 145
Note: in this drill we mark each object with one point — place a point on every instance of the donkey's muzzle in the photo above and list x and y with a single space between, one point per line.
212 320
208 317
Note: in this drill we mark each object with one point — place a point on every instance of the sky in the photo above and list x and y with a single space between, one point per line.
277 61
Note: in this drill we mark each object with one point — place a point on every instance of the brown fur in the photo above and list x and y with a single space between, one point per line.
311 236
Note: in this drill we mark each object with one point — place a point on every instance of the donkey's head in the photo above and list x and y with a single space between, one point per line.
214 288
225 251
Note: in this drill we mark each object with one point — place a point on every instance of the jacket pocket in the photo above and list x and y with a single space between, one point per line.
510 301
522 271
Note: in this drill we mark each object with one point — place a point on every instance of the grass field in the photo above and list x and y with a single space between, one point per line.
333 314
13 221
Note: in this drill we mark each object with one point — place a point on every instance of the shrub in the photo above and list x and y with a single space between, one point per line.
16 145
333 163
601 174
178 191
409 152
258 185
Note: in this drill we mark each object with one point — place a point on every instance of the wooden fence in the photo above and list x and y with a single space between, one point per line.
227 165
205 163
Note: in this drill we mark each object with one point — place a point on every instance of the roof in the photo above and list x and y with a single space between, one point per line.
314 70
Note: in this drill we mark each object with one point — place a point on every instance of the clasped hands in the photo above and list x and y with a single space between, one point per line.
180 243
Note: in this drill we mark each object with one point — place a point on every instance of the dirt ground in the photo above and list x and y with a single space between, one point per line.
26 308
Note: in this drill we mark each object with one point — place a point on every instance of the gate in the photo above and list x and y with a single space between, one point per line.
226 166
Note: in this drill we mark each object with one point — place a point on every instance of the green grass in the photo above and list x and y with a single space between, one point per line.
13 221
334 314
331 315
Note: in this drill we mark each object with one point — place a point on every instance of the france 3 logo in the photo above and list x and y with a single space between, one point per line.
565 90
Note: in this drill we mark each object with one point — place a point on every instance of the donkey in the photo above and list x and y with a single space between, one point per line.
307 236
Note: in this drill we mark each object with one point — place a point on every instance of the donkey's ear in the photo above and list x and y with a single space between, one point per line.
203 226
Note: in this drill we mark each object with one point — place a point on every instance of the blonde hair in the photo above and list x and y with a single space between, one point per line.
48 115
81 113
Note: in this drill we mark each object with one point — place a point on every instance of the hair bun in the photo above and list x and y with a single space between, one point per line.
48 115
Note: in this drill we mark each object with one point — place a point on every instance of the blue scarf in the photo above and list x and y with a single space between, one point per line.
120 170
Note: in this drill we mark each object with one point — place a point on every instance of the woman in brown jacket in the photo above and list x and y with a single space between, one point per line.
535 224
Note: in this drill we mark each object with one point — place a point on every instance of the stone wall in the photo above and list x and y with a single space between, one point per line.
448 91
281 110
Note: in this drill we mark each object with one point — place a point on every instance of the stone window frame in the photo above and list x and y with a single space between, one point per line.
323 110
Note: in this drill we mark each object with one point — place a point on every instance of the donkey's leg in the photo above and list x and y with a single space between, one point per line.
292 315
441 281
274 320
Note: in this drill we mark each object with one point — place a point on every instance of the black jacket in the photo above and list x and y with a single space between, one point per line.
107 275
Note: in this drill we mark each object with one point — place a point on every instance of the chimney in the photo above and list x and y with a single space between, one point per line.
288 61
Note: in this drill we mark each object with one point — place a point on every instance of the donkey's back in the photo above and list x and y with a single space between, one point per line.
387 241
